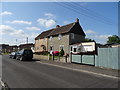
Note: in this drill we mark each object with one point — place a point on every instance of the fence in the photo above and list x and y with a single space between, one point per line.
107 57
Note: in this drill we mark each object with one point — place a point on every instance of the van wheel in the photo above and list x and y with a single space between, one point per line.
16 58
21 58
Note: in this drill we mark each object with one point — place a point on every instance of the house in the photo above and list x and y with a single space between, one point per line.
60 37
4 48
115 45
41 42
13 48
26 46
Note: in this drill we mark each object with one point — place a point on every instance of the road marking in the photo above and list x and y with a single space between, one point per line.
80 70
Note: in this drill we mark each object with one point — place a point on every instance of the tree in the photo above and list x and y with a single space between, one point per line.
113 39
89 40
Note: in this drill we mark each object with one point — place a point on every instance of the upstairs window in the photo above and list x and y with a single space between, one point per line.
59 37
72 36
50 38
44 39
75 50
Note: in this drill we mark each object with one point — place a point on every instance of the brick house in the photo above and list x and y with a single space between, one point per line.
61 37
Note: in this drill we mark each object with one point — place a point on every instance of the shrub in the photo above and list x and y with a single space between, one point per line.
62 52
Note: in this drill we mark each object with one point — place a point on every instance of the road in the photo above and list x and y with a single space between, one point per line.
30 74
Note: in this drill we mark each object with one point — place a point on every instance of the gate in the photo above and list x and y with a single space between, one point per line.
84 59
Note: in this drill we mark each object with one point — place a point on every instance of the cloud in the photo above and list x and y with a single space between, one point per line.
8 30
33 28
6 13
90 32
47 23
20 22
99 38
66 22
50 15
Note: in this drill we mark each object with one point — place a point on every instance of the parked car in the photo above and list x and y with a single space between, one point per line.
24 54
56 53
13 55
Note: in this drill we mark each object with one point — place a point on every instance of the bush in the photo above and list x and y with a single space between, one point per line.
62 52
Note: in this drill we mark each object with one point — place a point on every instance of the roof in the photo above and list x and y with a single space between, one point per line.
72 27
62 29
26 44
43 34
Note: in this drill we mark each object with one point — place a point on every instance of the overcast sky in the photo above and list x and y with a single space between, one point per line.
28 19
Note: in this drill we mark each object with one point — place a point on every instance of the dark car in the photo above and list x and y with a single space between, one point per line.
13 55
24 54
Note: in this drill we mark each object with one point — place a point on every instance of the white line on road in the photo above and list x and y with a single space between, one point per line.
114 77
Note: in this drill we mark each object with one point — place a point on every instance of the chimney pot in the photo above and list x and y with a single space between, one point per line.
77 20
57 26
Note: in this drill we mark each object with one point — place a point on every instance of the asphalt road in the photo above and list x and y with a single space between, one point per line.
30 74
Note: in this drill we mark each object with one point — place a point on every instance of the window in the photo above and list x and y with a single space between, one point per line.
72 36
50 37
59 36
75 50
51 48
44 39
79 48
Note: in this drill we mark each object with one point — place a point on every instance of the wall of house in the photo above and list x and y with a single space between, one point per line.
77 38
55 42
40 42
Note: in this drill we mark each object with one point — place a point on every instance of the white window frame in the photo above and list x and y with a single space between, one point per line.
44 39
51 38
59 37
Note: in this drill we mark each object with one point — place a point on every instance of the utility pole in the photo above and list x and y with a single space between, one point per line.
27 40
16 41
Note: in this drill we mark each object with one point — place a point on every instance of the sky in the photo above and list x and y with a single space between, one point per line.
28 19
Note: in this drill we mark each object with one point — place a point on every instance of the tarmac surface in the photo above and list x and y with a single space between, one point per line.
54 74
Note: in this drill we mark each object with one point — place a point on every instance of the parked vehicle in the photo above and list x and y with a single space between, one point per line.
24 54
13 55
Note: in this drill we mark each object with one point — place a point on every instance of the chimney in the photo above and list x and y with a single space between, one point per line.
77 20
57 26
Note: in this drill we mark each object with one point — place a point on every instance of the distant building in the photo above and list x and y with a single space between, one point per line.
4 48
13 48
26 46
115 45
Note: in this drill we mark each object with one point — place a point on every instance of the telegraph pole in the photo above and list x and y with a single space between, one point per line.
27 40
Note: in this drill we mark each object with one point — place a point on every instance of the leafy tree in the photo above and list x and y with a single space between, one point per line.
89 40
113 39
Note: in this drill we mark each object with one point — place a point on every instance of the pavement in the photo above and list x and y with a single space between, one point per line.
55 74
83 68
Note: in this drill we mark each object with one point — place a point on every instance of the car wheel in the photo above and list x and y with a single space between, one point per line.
16 58
21 58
